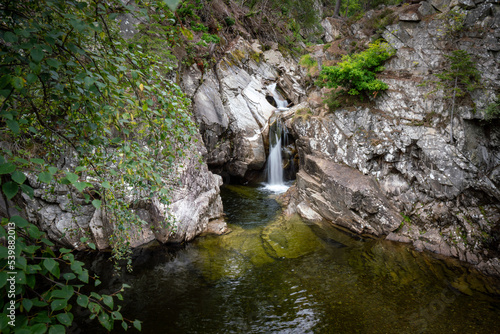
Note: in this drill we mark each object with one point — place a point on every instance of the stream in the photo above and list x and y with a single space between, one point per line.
271 275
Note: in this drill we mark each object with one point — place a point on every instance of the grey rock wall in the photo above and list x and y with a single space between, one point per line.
230 104
440 195
195 205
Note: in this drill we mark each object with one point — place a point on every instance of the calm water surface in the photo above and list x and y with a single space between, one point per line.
274 276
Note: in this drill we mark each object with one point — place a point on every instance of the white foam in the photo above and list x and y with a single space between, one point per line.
276 188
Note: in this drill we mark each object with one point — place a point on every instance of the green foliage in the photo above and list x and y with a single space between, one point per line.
43 286
454 22
159 34
460 68
492 111
307 61
229 21
199 27
209 38
357 73
71 88
381 20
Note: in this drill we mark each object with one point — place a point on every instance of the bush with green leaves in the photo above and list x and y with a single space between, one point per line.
492 111
459 75
72 89
48 284
356 73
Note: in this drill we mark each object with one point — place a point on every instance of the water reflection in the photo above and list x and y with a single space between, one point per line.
275 276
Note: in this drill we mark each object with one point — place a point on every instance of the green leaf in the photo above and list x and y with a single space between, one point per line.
13 126
19 177
10 37
82 300
38 329
137 324
115 315
30 78
47 242
80 186
94 307
58 304
108 301
18 83
71 177
65 292
91 245
96 203
37 161
19 221
28 190
7 168
37 55
27 304
57 329
4 252
50 264
95 295
54 62
10 189
106 185
65 319
45 177
105 321
34 232
69 276
124 325
52 170
84 276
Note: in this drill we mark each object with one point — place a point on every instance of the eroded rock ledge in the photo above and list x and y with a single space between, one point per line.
389 167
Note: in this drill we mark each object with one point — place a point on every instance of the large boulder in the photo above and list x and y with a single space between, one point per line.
195 203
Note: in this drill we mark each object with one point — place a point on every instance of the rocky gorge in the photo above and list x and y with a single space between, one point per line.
386 168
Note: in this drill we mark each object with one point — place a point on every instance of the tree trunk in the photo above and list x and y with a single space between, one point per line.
337 9
452 109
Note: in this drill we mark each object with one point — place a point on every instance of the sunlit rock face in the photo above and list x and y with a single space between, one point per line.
441 195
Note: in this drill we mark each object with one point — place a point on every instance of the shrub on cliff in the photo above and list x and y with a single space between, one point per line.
356 73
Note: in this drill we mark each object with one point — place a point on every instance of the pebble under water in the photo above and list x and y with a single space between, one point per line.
275 276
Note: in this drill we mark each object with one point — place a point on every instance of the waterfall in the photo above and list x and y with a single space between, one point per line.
281 103
274 161
277 133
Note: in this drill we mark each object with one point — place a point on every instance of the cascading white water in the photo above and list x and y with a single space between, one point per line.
281 103
276 133
274 164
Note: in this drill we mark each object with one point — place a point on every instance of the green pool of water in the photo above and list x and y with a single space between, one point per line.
271 275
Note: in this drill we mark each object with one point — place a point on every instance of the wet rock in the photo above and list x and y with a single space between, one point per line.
345 196
307 213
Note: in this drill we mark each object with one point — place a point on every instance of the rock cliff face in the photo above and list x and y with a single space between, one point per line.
196 207
232 104
389 167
